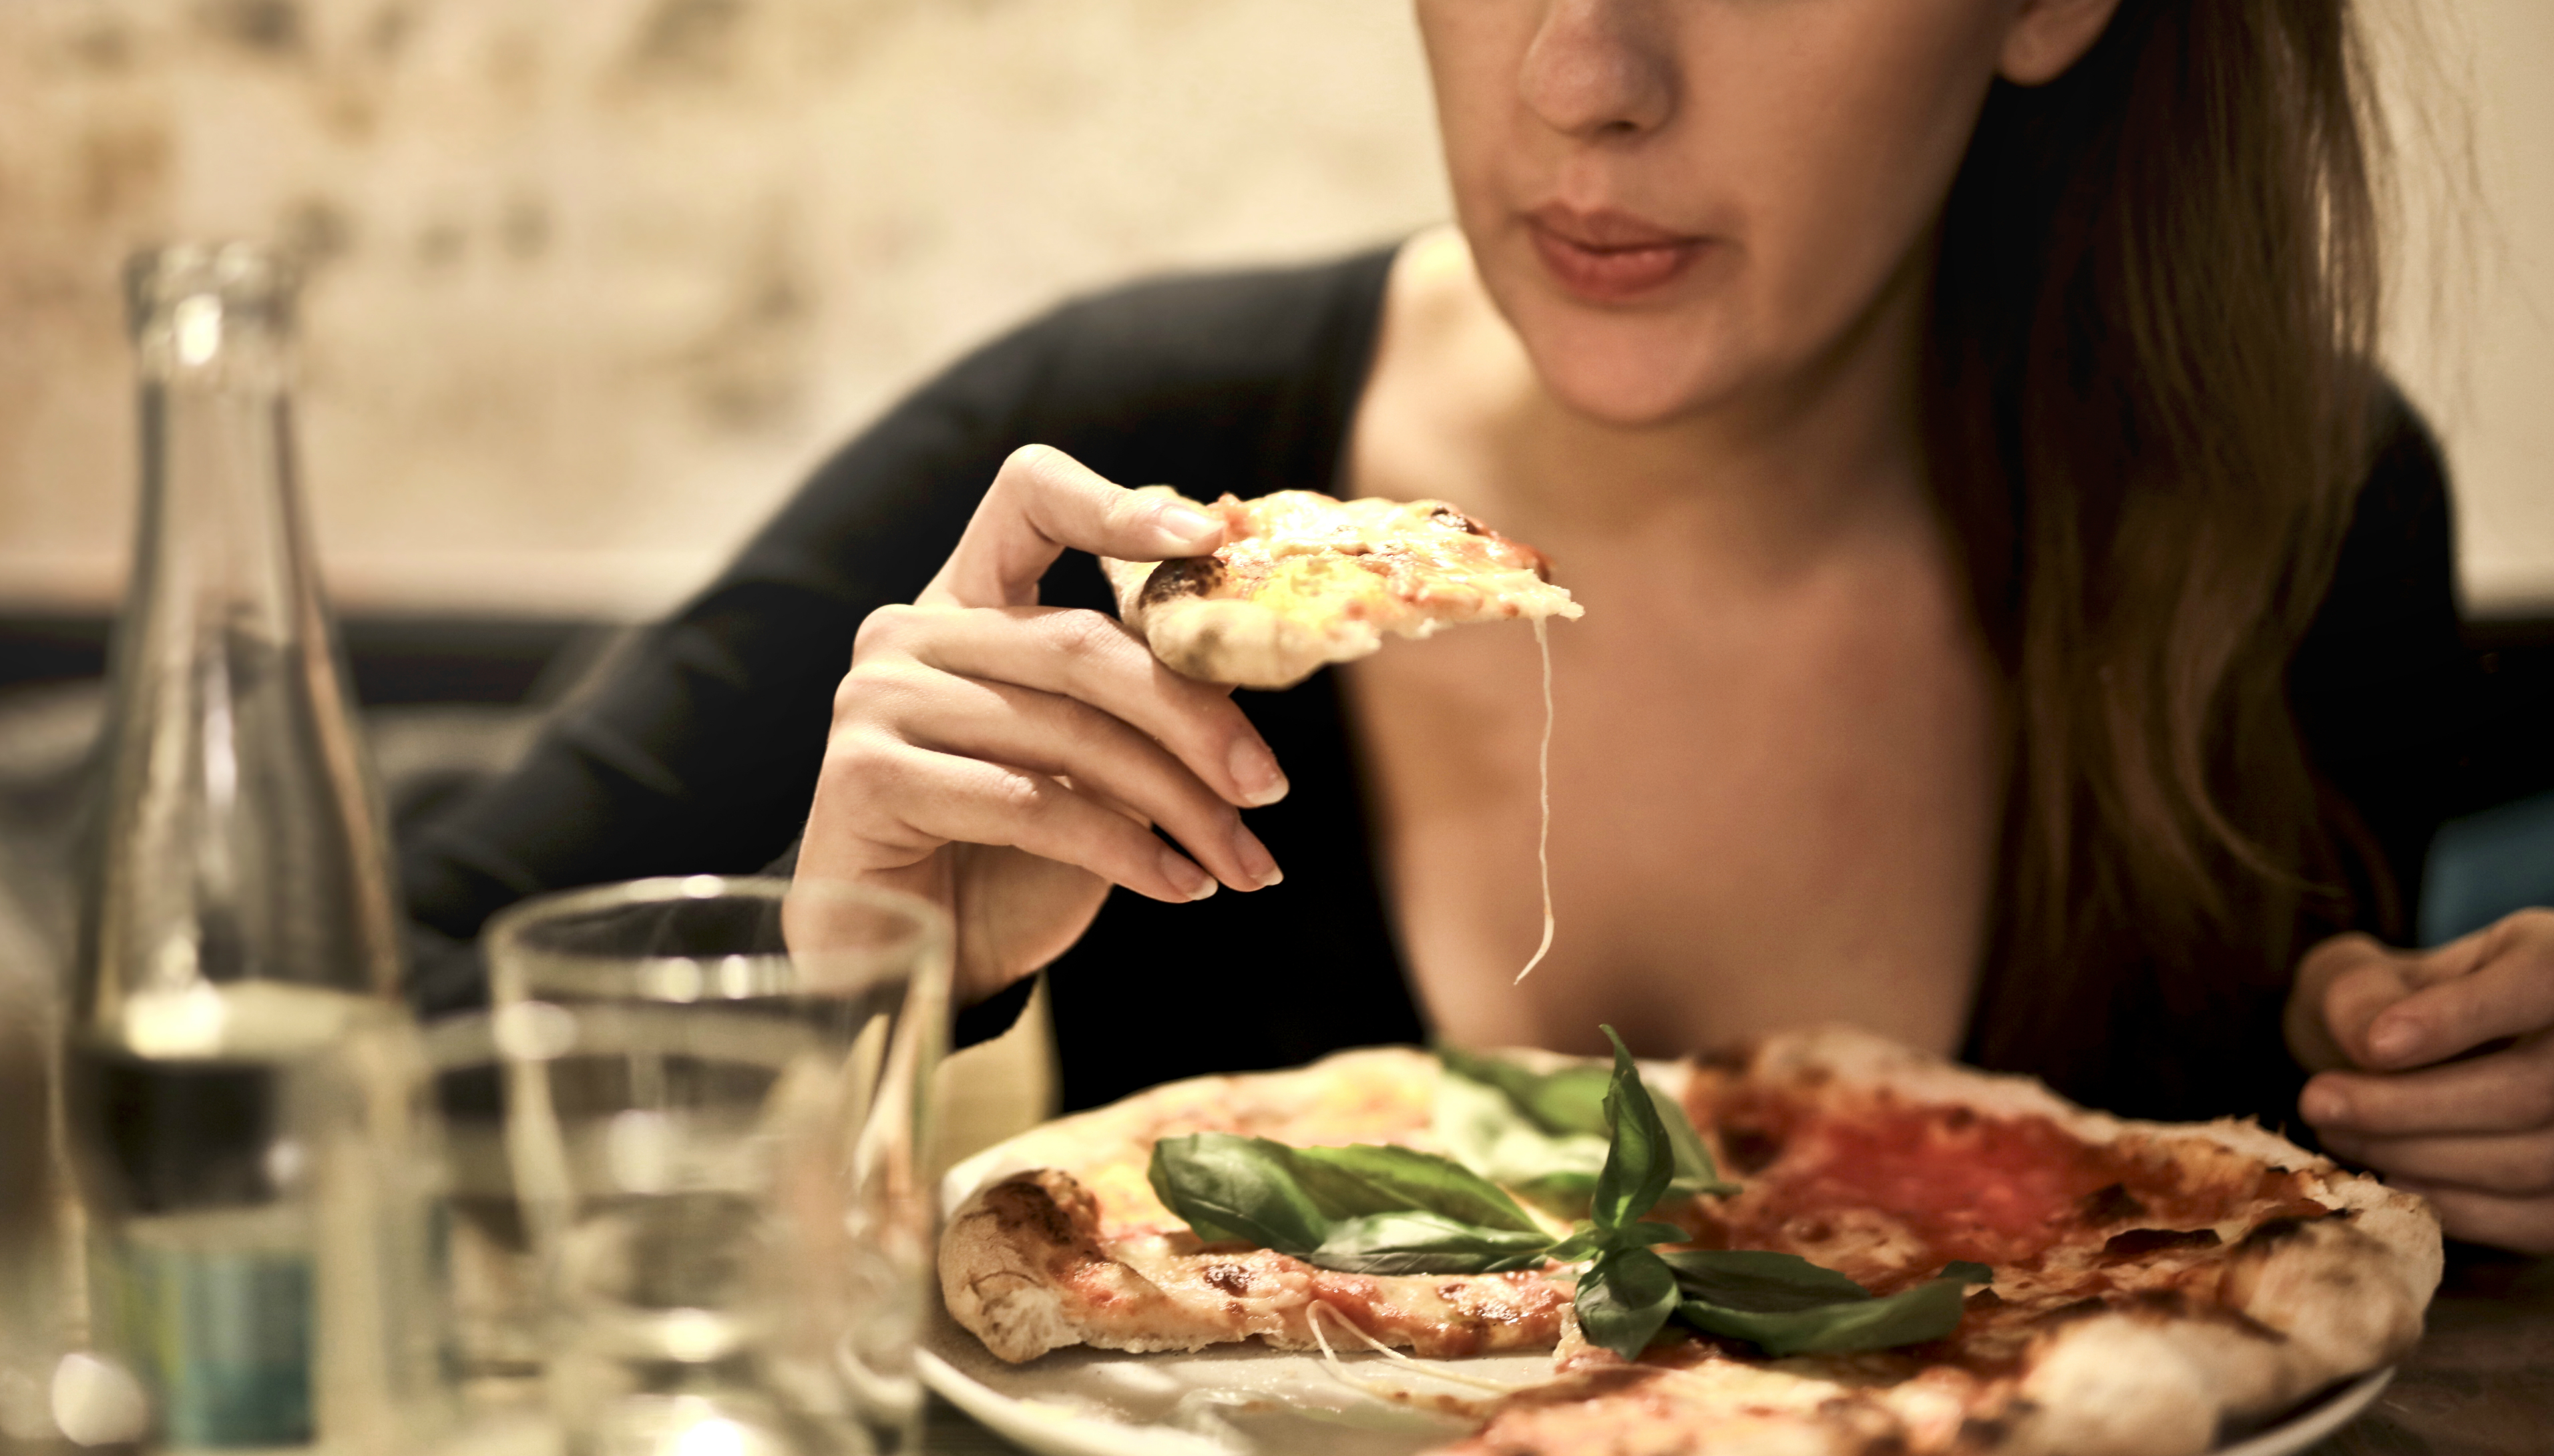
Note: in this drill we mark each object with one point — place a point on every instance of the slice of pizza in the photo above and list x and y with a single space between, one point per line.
1303 580
2152 1286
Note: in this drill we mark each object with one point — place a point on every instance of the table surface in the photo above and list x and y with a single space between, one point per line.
2481 1383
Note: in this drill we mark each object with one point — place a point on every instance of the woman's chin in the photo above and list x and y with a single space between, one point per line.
1629 368
1633 388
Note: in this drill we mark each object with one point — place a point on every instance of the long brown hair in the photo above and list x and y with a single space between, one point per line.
2153 313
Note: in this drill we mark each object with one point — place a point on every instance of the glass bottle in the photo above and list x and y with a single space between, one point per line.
239 943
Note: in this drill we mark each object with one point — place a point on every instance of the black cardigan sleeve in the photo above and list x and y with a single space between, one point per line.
699 751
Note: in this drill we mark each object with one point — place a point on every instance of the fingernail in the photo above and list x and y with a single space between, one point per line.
2322 1105
1185 528
1256 861
1256 774
2393 1038
1190 880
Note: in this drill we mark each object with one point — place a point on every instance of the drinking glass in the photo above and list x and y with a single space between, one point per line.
717 1107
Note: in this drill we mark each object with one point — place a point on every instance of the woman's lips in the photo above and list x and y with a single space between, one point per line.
1609 257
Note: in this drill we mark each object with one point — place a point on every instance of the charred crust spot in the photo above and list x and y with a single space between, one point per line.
2110 1204
2274 1232
1871 1429
1748 1149
2137 1243
1449 519
1188 576
2178 1304
2069 1313
2169 1303
1959 1119
1232 1279
1024 1204
1982 1433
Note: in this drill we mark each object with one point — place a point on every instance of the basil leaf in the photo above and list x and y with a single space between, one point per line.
1237 1187
1560 1104
1758 1281
1425 1243
1543 1134
1492 1134
1368 1177
1639 1161
1292 1199
1695 1172
1928 1311
1643 1234
1587 1243
1623 1299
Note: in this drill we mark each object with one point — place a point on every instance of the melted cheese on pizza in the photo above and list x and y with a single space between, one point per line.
1405 566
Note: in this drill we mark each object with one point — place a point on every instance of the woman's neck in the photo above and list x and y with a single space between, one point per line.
1771 477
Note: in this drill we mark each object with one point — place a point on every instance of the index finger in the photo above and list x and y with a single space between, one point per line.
1043 502
2499 983
2505 1092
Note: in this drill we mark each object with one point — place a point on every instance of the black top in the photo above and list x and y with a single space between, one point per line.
700 752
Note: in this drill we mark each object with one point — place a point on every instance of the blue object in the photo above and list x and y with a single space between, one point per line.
2485 865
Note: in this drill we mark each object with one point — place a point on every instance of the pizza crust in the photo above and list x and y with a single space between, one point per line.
2328 1302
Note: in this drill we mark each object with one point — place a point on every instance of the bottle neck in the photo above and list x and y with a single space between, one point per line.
222 543
241 842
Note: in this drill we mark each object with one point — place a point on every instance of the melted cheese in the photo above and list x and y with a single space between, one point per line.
1543 765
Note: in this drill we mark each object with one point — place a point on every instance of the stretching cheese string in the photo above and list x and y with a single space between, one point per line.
1313 1314
1543 763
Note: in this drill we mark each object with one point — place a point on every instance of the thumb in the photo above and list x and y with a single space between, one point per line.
1043 502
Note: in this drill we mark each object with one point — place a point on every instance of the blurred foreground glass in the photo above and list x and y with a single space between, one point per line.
718 1106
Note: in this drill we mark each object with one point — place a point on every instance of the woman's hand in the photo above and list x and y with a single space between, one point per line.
2436 1069
1009 760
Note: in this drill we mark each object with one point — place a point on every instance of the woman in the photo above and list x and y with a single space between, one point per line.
1954 417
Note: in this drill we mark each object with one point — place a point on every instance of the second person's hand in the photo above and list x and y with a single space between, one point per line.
1012 760
2436 1069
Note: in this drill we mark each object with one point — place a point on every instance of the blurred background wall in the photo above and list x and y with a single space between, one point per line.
596 279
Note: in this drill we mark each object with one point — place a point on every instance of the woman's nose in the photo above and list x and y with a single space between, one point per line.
1601 69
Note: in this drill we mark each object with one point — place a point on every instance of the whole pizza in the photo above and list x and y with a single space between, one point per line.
1829 1243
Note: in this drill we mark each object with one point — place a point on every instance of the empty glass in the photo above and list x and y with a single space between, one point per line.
716 1101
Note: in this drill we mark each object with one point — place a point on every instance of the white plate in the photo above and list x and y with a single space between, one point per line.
1248 1400
2314 1420
1252 1401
